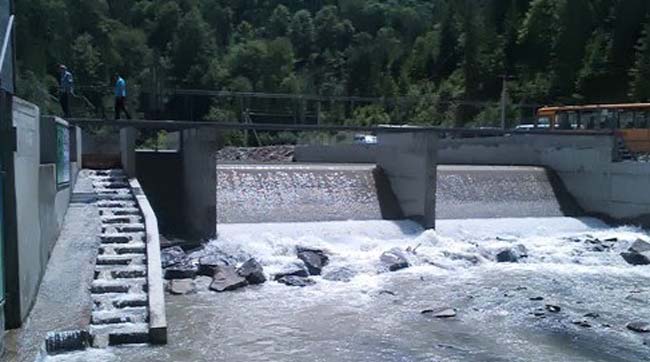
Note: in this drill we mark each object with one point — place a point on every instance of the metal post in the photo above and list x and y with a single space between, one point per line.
504 94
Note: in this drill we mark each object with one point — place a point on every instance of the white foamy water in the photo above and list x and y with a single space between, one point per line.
376 316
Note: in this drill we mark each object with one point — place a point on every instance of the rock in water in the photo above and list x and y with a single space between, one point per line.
553 308
294 269
581 323
252 271
314 259
295 281
208 264
181 286
512 255
67 341
639 246
639 326
171 256
340 275
394 259
636 258
227 278
444 313
185 270
638 253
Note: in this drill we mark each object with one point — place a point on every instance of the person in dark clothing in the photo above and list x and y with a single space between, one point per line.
120 97
66 89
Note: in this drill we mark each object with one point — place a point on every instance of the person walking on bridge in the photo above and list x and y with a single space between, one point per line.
66 90
120 97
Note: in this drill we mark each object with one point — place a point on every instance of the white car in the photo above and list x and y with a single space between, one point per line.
366 139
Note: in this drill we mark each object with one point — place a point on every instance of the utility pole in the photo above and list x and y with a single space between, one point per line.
504 98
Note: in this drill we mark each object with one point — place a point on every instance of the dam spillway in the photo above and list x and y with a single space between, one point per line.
327 192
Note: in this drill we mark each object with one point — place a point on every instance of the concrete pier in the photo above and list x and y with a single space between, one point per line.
409 161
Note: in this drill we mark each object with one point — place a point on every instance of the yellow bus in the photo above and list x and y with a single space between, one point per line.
630 121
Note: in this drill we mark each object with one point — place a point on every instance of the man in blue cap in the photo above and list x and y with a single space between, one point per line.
66 89
120 97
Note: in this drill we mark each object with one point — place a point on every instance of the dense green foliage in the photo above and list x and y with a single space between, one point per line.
442 52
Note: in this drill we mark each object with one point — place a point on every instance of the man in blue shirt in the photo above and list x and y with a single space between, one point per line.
120 97
66 89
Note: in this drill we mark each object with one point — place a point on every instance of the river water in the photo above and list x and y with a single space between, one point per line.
376 316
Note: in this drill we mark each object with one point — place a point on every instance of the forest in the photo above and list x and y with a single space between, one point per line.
444 55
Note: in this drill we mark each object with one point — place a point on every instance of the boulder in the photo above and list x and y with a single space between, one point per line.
638 253
314 259
181 286
252 271
208 264
639 246
511 255
340 275
295 281
297 268
226 278
184 270
171 256
639 326
394 259
636 258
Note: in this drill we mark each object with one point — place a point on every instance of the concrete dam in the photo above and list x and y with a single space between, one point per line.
329 192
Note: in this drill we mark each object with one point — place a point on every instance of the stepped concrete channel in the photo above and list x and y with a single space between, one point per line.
119 289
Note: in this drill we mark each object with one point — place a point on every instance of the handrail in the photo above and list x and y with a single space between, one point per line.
5 42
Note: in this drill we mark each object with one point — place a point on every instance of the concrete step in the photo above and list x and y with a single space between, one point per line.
118 316
128 219
119 333
123 228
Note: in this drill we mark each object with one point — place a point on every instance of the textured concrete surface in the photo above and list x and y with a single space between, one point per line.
63 301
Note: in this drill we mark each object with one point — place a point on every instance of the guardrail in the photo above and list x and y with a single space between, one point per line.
175 125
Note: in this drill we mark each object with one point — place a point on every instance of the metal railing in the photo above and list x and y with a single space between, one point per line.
5 43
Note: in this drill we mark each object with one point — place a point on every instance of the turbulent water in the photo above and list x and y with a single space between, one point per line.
376 316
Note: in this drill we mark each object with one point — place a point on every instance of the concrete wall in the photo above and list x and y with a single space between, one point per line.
344 153
199 181
101 150
160 175
408 159
28 237
40 206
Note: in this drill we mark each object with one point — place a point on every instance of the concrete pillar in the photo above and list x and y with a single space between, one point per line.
408 158
127 150
200 182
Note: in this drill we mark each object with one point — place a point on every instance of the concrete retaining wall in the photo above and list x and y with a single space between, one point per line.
160 174
344 153
101 150
39 206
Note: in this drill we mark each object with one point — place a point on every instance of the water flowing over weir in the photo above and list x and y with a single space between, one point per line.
299 193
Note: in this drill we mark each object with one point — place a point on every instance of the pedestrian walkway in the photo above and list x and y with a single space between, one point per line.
64 300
